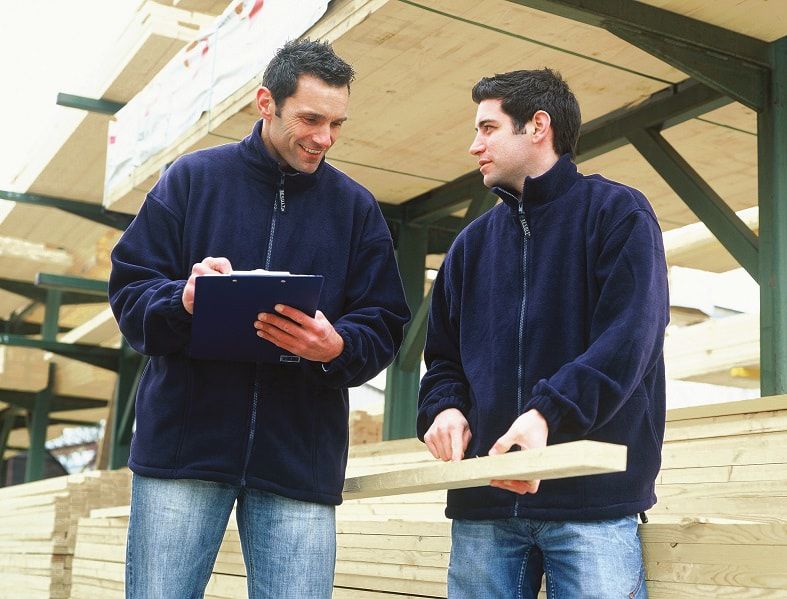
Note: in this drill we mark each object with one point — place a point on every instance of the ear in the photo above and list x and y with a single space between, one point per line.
542 124
265 103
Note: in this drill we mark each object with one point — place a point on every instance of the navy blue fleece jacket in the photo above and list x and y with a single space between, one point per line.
281 428
557 302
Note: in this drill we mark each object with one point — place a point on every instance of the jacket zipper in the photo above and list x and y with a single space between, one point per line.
278 201
253 425
521 364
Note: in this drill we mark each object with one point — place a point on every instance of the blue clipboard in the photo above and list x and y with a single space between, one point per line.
226 306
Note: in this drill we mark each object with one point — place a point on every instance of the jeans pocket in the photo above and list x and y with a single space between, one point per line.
635 592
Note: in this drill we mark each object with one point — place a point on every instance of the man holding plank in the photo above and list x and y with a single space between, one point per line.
547 326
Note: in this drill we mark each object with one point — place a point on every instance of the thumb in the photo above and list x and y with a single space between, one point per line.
503 444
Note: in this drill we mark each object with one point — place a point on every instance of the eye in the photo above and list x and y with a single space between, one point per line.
337 124
311 120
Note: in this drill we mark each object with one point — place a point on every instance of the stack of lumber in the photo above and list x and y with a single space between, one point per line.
365 427
38 525
718 351
726 460
719 530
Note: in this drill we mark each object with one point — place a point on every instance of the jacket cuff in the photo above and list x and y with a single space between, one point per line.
340 361
427 415
175 308
548 408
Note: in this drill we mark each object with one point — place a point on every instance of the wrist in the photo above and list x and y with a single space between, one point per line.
337 345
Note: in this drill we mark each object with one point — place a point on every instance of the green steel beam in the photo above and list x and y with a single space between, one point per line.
441 202
60 403
7 421
54 299
656 21
401 389
744 81
666 108
92 212
392 212
103 357
483 201
735 64
71 421
772 181
413 344
89 104
21 327
39 294
440 240
132 366
711 209
37 423
77 285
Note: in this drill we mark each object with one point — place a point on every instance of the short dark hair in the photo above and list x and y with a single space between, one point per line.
304 57
523 93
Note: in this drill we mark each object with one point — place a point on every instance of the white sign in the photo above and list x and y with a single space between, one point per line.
235 49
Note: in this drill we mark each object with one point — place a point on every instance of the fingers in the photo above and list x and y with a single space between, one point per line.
212 266
431 446
303 319
275 326
521 487
448 436
457 445
295 331
221 265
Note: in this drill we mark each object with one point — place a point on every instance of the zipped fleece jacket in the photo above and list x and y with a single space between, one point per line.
557 302
280 428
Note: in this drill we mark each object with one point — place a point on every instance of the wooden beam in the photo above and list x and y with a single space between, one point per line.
579 458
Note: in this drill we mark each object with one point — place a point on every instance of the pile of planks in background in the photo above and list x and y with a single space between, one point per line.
38 528
719 529
365 428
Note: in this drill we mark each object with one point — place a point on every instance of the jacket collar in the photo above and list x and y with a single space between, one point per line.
544 188
266 168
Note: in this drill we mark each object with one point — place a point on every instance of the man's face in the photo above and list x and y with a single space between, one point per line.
307 123
503 156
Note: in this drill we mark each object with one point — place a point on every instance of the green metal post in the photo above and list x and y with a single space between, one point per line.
401 386
122 420
37 423
38 417
772 167
49 327
8 419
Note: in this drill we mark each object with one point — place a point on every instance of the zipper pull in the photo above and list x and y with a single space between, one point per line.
281 193
523 220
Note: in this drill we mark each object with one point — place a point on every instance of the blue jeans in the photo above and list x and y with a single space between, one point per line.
582 560
176 528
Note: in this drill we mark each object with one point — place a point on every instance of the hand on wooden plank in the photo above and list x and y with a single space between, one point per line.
448 436
529 431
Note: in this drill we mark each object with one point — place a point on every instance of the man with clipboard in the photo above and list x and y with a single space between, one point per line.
269 437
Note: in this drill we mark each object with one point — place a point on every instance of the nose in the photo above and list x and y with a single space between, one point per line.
323 137
476 147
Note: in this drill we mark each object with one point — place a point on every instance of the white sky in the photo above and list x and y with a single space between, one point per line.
47 46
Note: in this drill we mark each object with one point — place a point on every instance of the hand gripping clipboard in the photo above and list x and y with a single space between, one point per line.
226 306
